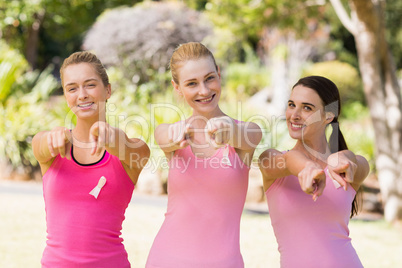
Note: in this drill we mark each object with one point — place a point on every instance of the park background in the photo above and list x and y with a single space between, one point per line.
262 48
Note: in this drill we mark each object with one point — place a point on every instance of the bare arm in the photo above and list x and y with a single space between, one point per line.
246 136
46 145
224 130
133 153
171 137
311 175
273 164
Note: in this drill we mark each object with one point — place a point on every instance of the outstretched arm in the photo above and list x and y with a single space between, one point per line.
133 153
310 174
242 135
172 137
46 145
273 164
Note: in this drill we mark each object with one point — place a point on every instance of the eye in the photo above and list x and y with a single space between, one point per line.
307 108
71 89
191 84
291 104
209 78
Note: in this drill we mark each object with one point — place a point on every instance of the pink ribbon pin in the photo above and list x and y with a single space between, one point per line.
95 191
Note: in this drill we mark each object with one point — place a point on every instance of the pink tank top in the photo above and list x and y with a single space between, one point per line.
205 202
312 234
84 231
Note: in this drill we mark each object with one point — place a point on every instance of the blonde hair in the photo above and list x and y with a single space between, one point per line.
86 57
186 52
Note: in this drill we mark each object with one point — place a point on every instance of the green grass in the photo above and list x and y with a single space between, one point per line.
23 234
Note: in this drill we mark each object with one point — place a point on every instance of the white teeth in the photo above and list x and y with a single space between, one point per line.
297 126
85 105
206 100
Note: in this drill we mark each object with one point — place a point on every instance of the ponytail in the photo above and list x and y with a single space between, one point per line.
336 140
337 143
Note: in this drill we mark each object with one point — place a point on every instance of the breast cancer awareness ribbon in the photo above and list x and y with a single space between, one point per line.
95 191
225 158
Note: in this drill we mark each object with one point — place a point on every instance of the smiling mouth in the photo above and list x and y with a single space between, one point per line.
207 100
85 105
296 126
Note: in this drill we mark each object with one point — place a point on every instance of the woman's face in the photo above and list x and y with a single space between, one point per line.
305 116
200 85
84 90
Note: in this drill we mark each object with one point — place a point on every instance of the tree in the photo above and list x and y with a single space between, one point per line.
140 40
44 30
367 24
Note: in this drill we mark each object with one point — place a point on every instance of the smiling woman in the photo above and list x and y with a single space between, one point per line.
88 179
85 92
209 155
313 232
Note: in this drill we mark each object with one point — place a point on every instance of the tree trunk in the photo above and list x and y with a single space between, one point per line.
31 50
383 96
286 55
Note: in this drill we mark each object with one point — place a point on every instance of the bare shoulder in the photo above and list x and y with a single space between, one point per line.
272 164
363 169
136 159
138 147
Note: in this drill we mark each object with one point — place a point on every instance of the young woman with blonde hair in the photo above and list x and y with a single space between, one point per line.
209 156
88 175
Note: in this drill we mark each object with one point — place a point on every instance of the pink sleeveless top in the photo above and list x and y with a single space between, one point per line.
312 234
205 202
84 231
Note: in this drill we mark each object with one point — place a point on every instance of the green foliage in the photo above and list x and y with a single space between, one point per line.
393 20
242 80
133 109
25 114
61 23
359 135
355 111
143 52
139 109
242 23
344 76
12 65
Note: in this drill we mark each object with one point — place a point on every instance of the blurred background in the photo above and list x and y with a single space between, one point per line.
262 48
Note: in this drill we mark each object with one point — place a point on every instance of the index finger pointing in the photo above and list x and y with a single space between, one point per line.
50 145
334 176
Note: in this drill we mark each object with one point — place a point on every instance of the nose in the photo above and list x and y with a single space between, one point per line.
204 89
296 115
83 94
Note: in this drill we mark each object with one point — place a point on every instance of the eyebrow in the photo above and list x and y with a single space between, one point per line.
304 103
86 81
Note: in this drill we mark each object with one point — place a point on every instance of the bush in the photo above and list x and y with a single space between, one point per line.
242 80
12 66
24 107
344 76
140 40
25 114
